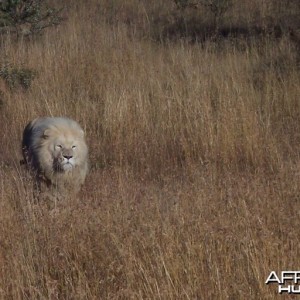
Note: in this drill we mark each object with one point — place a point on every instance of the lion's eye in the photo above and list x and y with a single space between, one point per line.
59 146
73 147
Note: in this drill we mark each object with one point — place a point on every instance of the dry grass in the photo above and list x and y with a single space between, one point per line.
194 187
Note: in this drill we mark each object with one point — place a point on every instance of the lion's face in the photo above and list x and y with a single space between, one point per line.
65 154
66 147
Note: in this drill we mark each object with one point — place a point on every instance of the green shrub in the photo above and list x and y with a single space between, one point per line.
26 17
16 77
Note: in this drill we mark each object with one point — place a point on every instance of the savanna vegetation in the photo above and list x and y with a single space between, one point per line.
192 116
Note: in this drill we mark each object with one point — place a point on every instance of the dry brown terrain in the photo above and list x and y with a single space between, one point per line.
194 189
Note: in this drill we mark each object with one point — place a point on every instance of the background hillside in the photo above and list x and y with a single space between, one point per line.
192 116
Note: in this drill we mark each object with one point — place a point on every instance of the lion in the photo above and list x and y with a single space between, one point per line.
54 149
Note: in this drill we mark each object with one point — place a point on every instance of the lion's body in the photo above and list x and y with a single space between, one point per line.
55 150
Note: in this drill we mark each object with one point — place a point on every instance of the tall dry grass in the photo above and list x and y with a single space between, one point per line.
194 184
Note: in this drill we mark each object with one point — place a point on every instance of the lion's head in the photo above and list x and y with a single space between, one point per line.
62 148
55 149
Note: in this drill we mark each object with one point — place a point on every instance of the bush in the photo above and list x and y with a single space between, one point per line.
26 17
16 77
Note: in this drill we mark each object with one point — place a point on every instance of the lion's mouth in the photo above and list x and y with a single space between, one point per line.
62 166
67 166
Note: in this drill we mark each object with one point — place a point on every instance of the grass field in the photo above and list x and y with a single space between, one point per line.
194 188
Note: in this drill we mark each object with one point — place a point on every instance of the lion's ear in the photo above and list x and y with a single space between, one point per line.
81 132
46 133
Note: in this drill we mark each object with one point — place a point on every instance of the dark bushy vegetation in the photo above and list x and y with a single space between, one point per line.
16 77
201 20
27 17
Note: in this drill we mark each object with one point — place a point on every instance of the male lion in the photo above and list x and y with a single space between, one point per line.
55 150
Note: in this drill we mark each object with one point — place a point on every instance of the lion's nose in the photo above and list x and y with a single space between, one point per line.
68 156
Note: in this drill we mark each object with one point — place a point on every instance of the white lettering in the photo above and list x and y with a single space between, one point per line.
290 289
284 289
295 290
297 277
287 275
273 278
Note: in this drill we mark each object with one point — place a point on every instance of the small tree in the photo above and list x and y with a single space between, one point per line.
27 16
